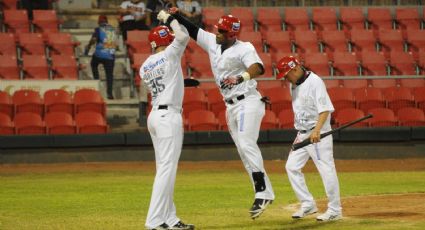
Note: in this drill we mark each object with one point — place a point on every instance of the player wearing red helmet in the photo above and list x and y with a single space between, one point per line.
235 64
312 108
162 74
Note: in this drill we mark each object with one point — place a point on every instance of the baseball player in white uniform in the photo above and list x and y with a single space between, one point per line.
312 108
234 64
162 73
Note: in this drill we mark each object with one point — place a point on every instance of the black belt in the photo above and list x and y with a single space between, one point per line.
239 98
305 131
163 107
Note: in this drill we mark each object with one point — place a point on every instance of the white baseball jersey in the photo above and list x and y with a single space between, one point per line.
234 61
162 73
309 100
139 7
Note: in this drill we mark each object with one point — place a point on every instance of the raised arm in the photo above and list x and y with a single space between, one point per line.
191 28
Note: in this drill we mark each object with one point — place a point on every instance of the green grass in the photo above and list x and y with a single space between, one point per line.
209 199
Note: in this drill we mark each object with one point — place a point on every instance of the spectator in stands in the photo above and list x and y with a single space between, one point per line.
105 39
152 9
30 5
191 10
133 16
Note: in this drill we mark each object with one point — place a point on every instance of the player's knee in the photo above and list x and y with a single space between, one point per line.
290 168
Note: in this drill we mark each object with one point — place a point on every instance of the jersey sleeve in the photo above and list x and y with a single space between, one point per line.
205 39
177 47
250 56
322 99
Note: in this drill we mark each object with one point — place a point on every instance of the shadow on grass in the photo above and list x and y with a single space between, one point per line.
277 225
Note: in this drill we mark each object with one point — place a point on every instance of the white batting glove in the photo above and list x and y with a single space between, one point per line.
163 16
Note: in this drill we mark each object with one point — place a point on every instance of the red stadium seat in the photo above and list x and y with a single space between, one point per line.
58 100
411 117
32 43
374 63
59 123
202 120
324 18
29 123
253 37
391 40
215 101
6 104
246 16
193 47
16 21
416 40
138 60
318 63
222 122
194 99
407 18
412 83
200 65
89 100
6 125
382 117
26 100
346 115
341 98
345 64
296 19
332 83
280 98
210 16
352 18
402 63
286 119
422 61
35 67
65 67
334 41
61 43
90 123
269 121
306 41
383 83
268 64
9 4
269 19
355 83
379 18
9 69
278 41
363 40
266 84
206 86
398 97
45 21
419 95
137 42
369 98
7 44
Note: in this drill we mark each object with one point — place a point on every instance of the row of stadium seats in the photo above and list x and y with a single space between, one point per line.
16 21
62 67
37 44
55 100
204 120
322 18
54 123
394 98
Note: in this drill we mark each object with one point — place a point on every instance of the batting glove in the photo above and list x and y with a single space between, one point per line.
163 16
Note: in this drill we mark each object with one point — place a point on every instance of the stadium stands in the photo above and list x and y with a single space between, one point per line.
286 119
16 21
35 67
6 104
6 125
349 114
202 120
9 69
324 18
269 121
64 67
382 117
45 21
58 100
26 100
7 44
194 99
29 123
89 100
59 123
411 117
352 18
88 122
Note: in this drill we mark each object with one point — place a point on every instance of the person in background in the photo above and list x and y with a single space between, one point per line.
191 10
132 16
152 9
105 39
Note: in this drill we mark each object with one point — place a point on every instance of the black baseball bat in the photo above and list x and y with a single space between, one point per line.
307 141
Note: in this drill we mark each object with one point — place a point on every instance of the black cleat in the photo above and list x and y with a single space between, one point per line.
163 226
180 225
258 207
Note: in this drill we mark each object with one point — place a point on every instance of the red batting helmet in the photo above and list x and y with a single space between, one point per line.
285 65
160 36
230 24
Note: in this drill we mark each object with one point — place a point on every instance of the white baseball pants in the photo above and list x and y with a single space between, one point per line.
322 155
244 121
166 130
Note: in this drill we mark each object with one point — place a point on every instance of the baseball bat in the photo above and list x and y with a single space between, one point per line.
307 141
